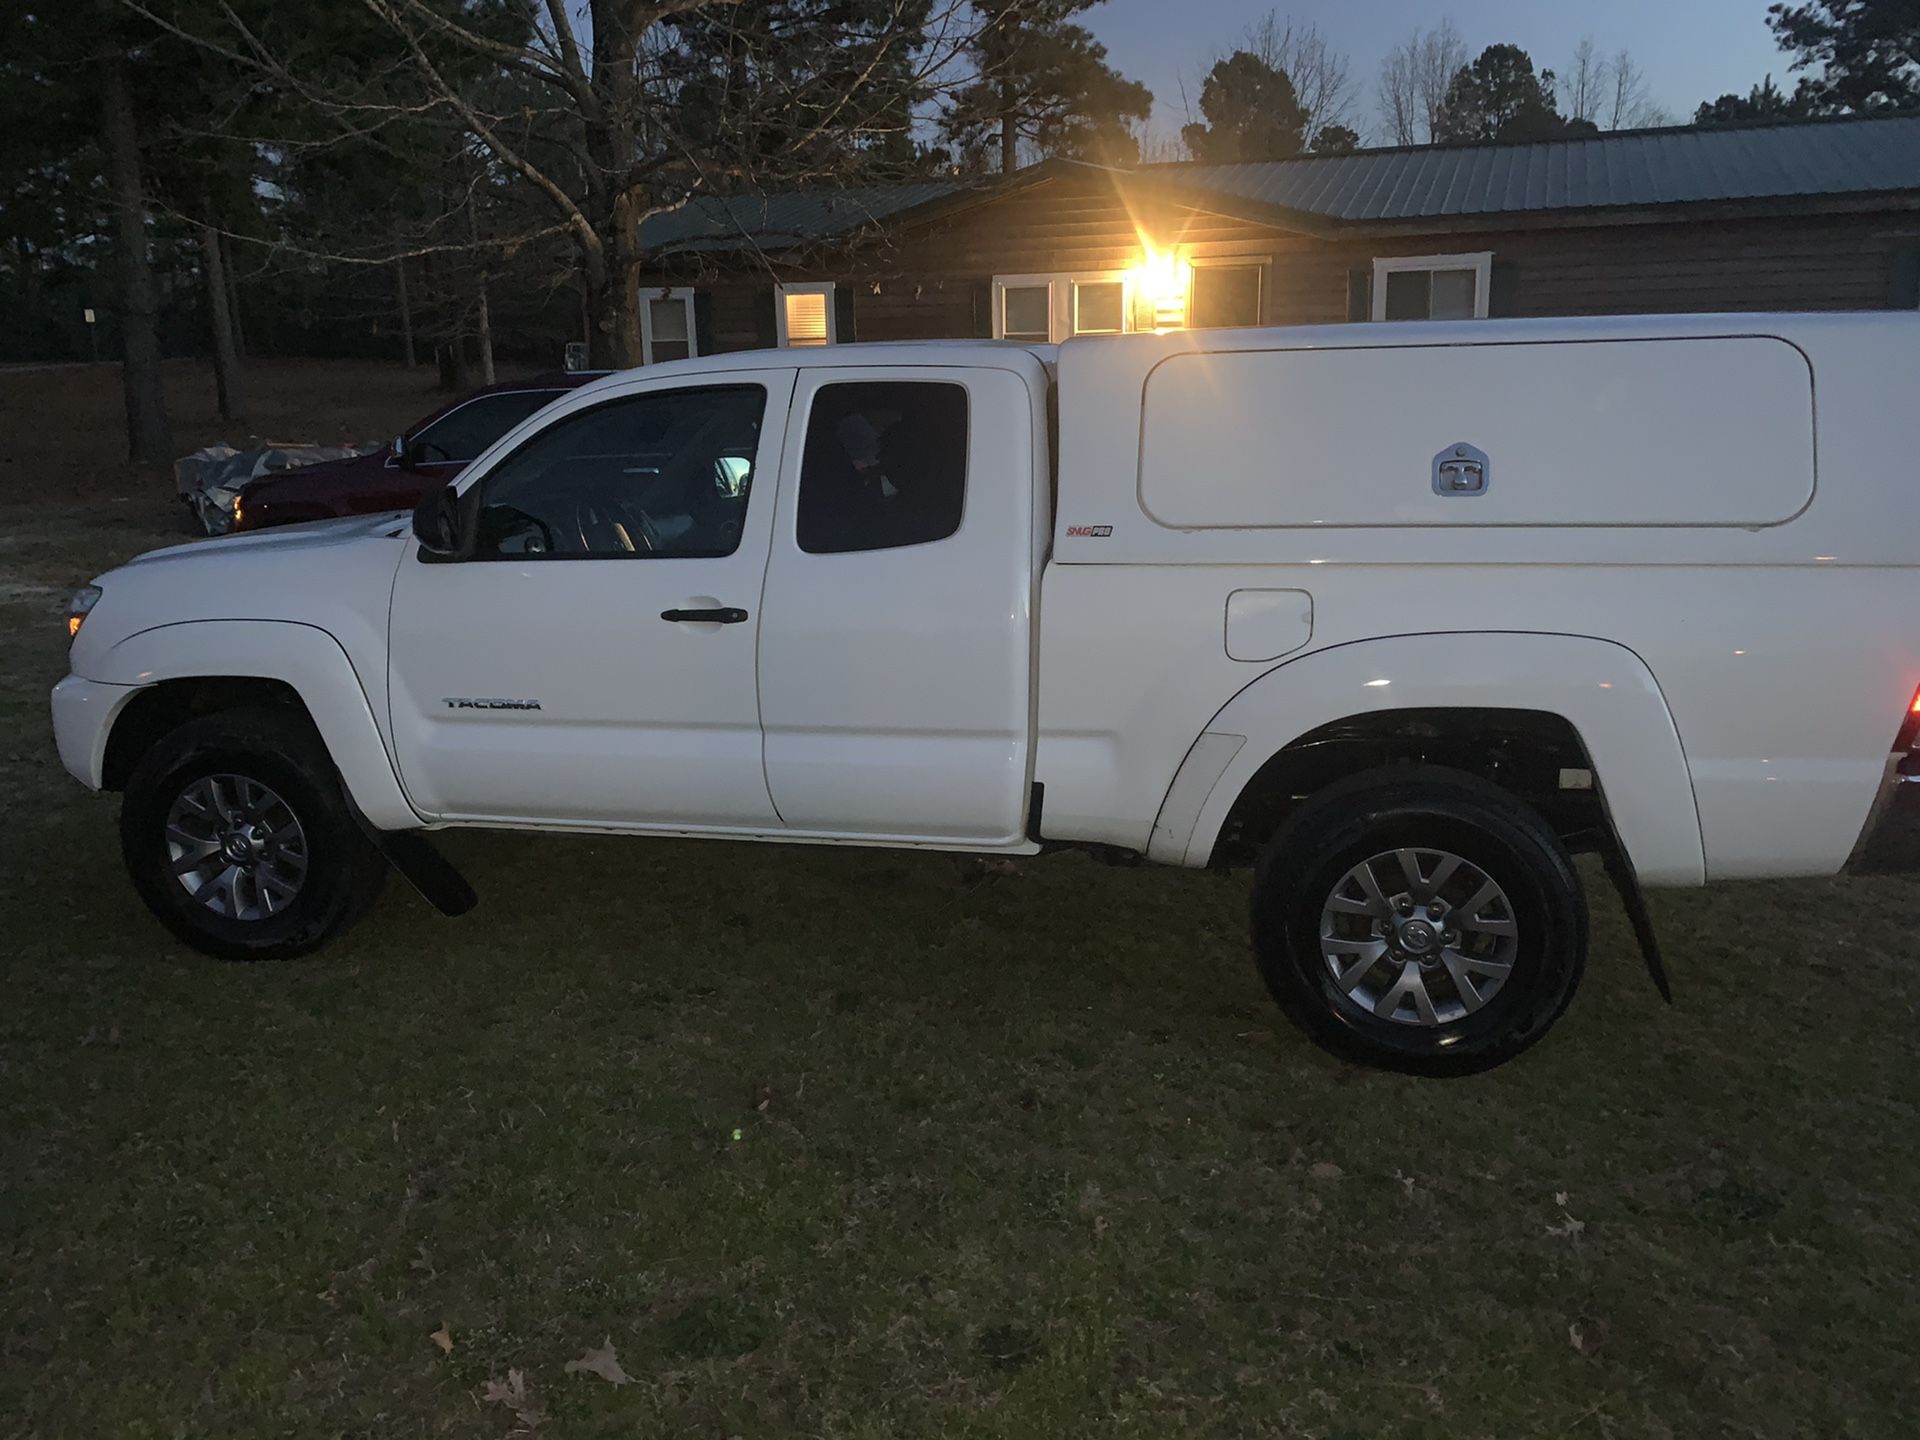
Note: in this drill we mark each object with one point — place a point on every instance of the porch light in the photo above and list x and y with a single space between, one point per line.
1161 283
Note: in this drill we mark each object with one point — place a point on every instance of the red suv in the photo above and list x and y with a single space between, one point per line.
428 455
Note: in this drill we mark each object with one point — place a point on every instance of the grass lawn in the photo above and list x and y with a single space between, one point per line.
865 1144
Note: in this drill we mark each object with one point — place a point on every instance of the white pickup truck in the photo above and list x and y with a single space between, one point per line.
1404 613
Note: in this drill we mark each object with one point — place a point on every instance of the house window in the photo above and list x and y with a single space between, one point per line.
1224 295
1099 307
1432 287
666 326
1026 313
1052 308
804 313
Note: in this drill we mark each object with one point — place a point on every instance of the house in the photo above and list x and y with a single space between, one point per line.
1799 216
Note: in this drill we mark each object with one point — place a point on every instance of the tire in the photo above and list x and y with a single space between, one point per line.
1475 1000
242 775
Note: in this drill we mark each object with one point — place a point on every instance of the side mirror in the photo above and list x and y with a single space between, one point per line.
436 523
397 452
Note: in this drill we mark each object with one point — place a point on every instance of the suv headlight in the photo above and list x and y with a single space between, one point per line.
84 599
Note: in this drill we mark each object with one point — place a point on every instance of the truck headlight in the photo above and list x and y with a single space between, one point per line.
84 599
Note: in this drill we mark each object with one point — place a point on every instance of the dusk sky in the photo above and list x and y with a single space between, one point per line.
1692 50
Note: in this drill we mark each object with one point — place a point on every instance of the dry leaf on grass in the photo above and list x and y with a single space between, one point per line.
600 1362
512 1392
443 1337
1326 1170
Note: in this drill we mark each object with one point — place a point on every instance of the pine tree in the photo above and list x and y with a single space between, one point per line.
1252 113
1499 97
1043 81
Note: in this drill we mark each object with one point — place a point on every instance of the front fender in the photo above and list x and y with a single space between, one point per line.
302 656
1602 689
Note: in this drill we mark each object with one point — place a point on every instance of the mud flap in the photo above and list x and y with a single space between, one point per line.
1620 871
421 864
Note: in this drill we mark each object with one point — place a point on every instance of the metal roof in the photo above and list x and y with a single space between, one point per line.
1426 182
781 221
1641 167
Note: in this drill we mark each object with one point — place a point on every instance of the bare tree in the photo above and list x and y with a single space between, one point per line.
1413 82
1321 79
1585 83
610 112
1629 103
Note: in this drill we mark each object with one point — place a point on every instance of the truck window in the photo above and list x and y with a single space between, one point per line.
659 475
885 466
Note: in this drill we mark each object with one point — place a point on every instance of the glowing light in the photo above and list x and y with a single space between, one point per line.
1373 684
1161 282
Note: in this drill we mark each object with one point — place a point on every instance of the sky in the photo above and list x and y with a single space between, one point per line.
1691 50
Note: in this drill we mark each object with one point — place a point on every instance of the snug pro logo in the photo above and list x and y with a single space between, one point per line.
456 702
1096 532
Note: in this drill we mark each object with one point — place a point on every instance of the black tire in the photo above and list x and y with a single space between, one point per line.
280 751
1420 807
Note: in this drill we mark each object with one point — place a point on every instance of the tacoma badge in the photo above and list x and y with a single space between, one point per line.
461 703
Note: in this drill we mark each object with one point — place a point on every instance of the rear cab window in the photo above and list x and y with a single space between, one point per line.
885 466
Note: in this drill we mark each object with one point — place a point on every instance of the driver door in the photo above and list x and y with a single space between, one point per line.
588 659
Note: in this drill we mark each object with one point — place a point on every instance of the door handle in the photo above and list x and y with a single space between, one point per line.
724 615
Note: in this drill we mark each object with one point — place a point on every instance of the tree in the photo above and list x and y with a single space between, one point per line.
1629 102
1336 140
1321 80
1413 83
1584 85
1041 80
1500 97
149 436
1867 53
1606 92
1252 113
1765 101
590 110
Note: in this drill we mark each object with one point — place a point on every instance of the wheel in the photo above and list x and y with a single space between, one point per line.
1421 920
239 838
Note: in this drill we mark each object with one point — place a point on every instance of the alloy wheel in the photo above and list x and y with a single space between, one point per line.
1418 936
236 847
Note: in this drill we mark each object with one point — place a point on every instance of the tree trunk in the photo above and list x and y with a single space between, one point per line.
406 311
459 357
483 317
149 437
483 332
612 279
1009 131
233 299
227 380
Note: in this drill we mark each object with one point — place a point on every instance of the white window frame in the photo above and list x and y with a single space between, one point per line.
803 287
1257 263
1479 261
1060 297
682 293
